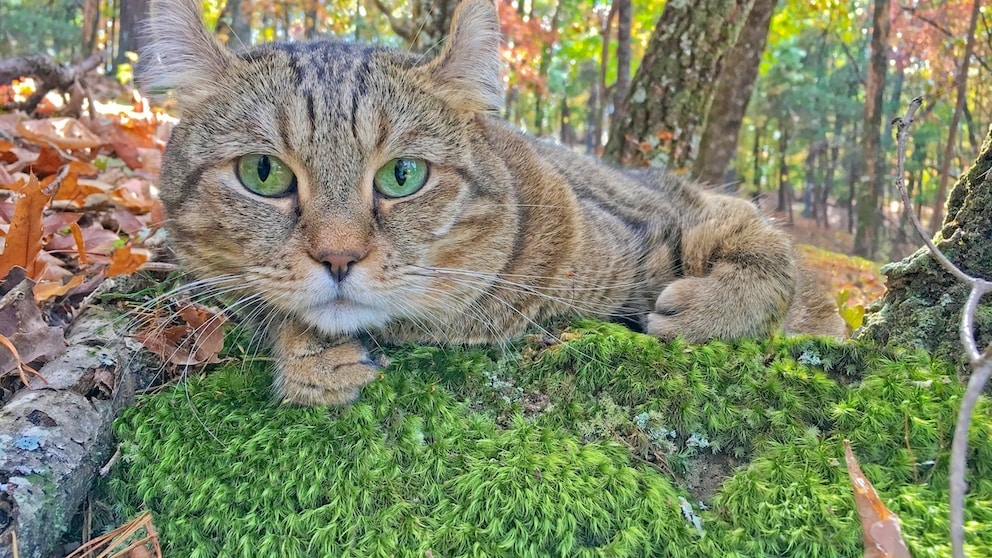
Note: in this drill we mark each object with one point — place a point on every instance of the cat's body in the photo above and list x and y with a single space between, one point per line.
501 231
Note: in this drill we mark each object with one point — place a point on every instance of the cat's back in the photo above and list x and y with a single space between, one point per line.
636 195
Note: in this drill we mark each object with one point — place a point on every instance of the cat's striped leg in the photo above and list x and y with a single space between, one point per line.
314 370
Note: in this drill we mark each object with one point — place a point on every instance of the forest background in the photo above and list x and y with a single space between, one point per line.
799 129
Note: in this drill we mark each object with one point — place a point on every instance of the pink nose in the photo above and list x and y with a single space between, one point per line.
339 263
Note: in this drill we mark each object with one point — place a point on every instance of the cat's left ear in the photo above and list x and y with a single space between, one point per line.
467 71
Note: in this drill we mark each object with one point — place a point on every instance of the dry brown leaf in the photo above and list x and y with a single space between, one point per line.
54 222
64 133
880 529
77 235
208 328
23 241
46 290
52 269
134 195
127 260
23 327
198 341
96 240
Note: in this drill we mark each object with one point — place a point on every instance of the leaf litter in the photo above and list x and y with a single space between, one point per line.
78 205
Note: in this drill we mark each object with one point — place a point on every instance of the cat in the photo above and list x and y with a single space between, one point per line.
346 191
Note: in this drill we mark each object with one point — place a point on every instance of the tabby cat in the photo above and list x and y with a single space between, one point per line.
352 191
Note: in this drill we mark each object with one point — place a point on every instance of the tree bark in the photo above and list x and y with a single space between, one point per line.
962 78
601 90
622 87
718 145
91 22
425 29
923 303
783 169
672 90
234 24
543 67
567 130
872 184
129 39
56 435
756 160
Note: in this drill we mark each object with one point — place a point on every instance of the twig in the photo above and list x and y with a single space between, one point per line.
981 363
110 462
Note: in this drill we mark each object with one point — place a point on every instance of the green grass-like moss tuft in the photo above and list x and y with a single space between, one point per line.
559 449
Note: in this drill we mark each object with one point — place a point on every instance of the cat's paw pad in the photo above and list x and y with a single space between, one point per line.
333 376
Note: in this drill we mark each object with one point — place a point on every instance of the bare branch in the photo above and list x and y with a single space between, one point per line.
981 363
401 26
902 127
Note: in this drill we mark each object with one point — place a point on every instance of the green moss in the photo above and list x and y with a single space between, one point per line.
558 449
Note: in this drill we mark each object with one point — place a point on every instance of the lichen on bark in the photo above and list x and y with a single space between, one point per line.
922 307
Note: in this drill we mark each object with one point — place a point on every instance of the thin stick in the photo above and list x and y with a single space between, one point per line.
981 364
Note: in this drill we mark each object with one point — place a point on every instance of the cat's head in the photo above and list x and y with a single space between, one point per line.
333 179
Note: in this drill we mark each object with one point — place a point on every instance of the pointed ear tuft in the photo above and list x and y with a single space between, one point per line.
178 53
467 71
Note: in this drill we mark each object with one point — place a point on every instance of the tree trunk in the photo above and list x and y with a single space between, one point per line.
592 141
567 134
543 68
672 90
922 304
129 39
91 22
962 78
718 146
756 154
425 29
873 183
234 25
828 175
622 87
853 176
783 169
601 91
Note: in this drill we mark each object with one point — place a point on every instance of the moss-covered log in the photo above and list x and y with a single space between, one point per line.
922 307
583 444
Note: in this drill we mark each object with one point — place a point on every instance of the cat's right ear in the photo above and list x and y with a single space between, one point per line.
467 70
178 53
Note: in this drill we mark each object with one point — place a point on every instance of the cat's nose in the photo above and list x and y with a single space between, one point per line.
339 263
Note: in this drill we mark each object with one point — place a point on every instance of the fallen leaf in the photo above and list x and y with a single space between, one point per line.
47 290
23 241
134 196
5 178
22 326
208 329
127 260
880 529
198 341
77 235
64 133
95 237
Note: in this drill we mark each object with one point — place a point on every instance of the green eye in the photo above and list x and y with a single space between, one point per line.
401 177
265 175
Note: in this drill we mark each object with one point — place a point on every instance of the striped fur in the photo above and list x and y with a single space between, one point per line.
508 231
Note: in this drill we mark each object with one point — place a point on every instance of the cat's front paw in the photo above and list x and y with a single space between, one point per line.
317 371
702 308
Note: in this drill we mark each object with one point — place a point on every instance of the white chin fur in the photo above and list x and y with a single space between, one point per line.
352 318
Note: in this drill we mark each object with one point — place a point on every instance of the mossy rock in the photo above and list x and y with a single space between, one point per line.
578 444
